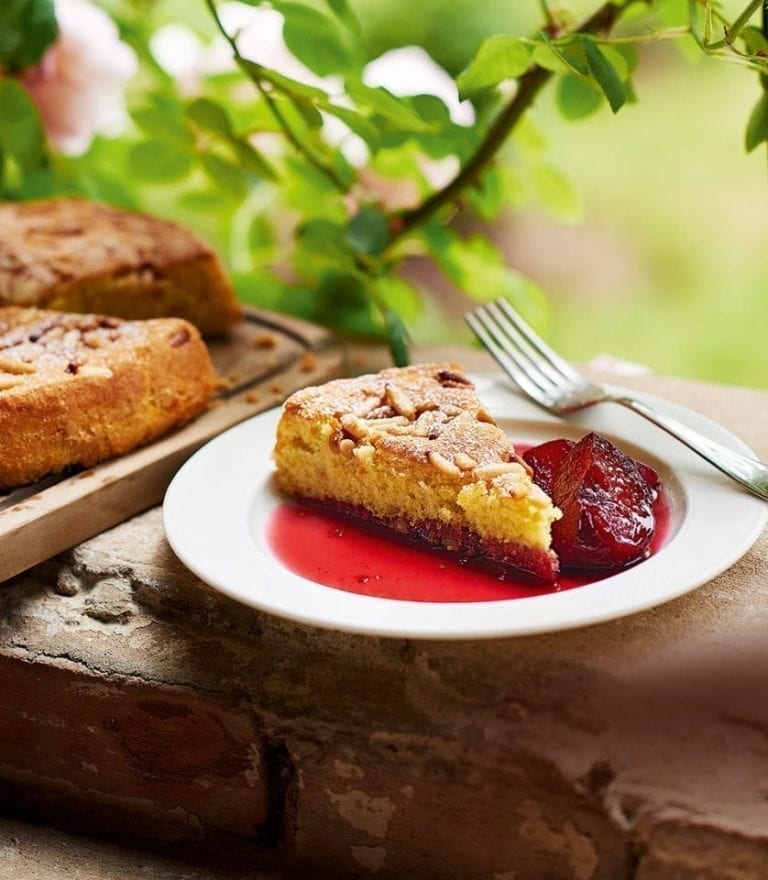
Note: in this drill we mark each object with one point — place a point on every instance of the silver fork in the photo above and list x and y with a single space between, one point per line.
556 386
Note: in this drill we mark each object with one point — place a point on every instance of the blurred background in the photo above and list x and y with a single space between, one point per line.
665 262
646 242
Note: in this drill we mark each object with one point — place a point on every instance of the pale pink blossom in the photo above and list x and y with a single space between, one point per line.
78 86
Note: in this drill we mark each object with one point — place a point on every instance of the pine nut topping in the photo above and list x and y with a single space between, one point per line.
346 446
464 461
17 368
354 426
489 471
443 464
399 401
95 371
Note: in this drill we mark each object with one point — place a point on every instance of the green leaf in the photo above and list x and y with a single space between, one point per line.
571 55
303 186
545 55
487 196
210 116
398 337
252 161
314 39
283 83
757 127
225 174
306 109
399 295
357 123
605 75
344 13
368 231
445 139
27 29
577 97
499 57
344 302
477 266
556 193
755 40
21 131
261 235
629 54
159 162
384 103
324 237
300 116
163 121
342 169
529 139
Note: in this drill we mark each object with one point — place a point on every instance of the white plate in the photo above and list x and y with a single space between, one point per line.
218 506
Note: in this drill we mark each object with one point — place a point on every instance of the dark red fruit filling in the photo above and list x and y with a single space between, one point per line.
606 498
546 460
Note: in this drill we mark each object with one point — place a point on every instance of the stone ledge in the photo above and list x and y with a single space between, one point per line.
37 852
135 698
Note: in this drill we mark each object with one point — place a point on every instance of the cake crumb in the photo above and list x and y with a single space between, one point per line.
264 340
251 397
308 362
276 389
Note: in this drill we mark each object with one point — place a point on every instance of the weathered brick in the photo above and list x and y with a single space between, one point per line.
680 850
398 810
183 757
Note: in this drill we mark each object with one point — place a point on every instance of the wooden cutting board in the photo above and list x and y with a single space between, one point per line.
266 358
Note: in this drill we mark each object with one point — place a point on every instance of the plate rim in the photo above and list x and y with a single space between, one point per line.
396 618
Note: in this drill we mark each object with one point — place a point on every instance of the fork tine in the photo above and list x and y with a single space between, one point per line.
533 362
486 333
537 343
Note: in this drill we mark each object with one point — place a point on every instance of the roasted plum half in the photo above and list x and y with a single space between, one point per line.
606 498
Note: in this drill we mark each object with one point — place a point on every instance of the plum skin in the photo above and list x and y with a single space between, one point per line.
606 499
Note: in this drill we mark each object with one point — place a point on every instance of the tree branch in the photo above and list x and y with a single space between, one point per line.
529 86
290 135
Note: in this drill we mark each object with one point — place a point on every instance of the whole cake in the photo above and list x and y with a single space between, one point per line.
78 389
413 449
78 255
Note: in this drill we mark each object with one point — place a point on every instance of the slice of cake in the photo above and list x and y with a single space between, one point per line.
78 389
412 448
77 255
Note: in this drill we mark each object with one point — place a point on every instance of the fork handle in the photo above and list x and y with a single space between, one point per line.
751 473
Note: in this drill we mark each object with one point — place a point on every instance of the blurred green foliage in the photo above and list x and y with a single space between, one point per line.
245 158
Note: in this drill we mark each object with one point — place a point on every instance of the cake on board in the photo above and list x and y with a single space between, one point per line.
77 255
78 389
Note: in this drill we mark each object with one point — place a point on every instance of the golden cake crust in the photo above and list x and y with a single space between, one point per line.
415 448
428 413
79 389
77 255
